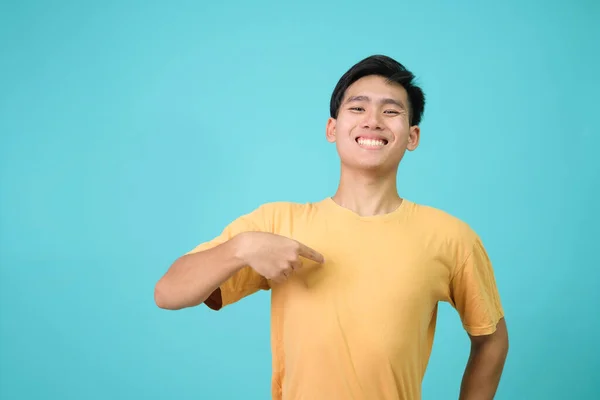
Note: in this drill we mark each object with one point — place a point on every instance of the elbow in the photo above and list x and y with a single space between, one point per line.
162 299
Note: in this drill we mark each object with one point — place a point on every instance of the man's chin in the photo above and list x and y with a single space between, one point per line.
370 166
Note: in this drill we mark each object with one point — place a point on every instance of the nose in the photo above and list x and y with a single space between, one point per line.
372 121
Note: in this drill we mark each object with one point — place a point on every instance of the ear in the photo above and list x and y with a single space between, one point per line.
413 138
330 130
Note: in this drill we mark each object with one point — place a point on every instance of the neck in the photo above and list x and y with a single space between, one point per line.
367 193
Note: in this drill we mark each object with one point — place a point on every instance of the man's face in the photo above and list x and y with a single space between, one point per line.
372 130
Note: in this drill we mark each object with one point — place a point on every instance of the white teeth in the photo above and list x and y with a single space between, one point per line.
371 142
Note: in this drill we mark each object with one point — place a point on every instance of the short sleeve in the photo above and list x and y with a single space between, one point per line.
474 293
246 281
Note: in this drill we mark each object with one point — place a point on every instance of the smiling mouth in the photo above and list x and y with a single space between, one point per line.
371 143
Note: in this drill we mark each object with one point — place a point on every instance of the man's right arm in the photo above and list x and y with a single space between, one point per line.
193 278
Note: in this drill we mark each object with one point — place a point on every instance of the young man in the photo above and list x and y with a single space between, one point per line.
355 279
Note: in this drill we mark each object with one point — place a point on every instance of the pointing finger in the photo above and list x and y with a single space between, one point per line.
311 254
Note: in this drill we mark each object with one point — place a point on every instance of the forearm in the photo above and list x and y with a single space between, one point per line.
483 371
193 277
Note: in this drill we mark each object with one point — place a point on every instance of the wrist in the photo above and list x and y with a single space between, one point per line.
239 246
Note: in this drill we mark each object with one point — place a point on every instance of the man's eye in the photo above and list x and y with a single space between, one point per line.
392 112
356 108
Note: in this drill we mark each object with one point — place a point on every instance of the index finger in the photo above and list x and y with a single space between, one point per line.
311 254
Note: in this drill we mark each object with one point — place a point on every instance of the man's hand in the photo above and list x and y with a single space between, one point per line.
273 256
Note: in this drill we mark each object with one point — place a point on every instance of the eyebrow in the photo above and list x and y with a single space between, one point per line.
386 100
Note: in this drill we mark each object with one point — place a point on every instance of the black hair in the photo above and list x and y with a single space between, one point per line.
385 67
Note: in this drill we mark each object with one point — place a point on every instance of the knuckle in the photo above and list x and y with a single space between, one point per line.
296 247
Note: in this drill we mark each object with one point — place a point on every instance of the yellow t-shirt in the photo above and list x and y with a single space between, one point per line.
361 325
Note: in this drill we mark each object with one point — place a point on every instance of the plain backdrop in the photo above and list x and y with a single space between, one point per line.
131 131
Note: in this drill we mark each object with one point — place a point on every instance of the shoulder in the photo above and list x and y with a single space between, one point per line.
274 213
455 239
284 209
284 206
443 224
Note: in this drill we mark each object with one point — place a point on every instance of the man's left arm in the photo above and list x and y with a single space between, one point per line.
485 364
474 294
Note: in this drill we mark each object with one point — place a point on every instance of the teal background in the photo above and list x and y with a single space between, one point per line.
132 131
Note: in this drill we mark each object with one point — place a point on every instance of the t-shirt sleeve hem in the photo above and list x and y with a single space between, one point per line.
483 330
222 297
